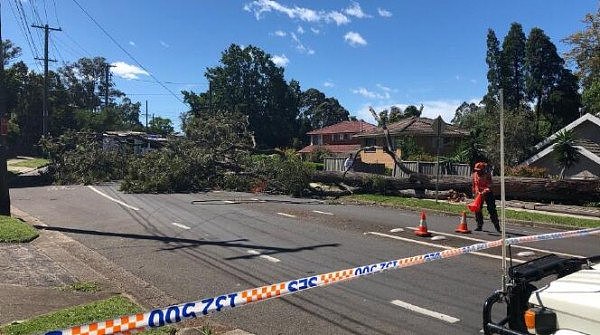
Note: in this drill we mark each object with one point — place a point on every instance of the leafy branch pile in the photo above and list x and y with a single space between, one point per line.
217 153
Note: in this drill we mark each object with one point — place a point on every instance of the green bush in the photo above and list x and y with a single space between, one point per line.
178 167
527 171
315 166
79 158
282 174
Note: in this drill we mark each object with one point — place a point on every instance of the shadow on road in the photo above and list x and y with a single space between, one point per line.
190 243
22 181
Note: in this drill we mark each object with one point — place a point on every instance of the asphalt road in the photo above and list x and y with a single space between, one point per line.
194 246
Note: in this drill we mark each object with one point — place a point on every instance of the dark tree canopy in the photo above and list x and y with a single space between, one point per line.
248 82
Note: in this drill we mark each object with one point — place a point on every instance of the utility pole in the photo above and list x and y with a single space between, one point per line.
146 115
106 82
4 194
46 60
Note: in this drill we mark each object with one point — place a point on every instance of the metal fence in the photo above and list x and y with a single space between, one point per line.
428 168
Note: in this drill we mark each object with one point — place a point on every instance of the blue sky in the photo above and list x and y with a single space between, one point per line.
367 53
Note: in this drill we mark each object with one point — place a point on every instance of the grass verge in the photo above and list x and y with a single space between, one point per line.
13 230
32 163
419 204
97 311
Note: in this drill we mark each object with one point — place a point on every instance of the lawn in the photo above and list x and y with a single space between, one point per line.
420 204
13 230
97 311
32 163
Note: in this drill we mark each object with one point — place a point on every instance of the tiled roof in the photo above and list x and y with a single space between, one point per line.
591 146
353 127
416 126
333 148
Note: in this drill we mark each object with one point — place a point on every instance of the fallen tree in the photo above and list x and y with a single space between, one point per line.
530 189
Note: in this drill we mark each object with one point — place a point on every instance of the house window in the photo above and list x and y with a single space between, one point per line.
370 142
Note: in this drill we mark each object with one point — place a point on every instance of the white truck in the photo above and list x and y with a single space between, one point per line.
569 305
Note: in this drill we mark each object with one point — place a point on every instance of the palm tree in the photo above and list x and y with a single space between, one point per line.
565 151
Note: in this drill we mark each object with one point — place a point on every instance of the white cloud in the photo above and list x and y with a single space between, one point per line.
356 11
384 88
328 84
300 30
370 94
132 43
315 30
300 46
354 39
164 44
384 13
259 7
280 33
337 17
280 60
457 77
127 71
474 81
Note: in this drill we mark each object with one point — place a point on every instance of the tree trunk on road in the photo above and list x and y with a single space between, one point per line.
536 189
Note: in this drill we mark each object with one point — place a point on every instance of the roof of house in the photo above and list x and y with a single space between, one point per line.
587 117
587 148
416 126
333 148
353 127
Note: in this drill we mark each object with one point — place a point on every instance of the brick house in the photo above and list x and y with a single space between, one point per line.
338 139
418 129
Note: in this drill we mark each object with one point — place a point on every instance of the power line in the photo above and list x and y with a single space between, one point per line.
24 30
56 13
126 52
168 82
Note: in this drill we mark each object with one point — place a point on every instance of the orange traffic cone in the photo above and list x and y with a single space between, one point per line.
462 226
422 230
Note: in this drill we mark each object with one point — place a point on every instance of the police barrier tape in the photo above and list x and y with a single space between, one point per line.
189 310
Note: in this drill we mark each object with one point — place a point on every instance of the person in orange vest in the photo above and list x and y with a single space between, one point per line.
482 183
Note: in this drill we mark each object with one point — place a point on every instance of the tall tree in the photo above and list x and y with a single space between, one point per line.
162 126
494 75
513 66
248 82
412 110
544 67
10 51
85 82
320 110
586 54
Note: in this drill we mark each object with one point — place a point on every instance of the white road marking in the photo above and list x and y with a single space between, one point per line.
437 245
180 225
267 257
396 230
421 310
514 246
287 215
112 199
229 202
324 213
526 254
438 238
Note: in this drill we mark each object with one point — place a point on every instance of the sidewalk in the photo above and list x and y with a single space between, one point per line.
34 279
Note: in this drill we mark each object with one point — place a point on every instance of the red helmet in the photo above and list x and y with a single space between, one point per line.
479 166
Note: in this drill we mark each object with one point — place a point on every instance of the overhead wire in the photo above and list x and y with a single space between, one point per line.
24 27
126 52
